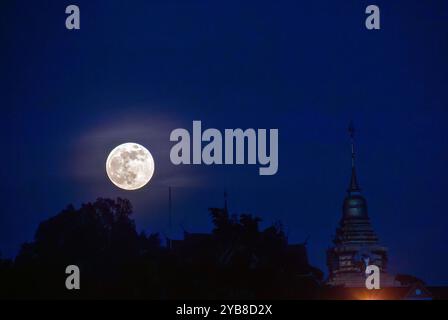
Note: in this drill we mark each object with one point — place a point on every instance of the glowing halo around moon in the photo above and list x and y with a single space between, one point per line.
130 166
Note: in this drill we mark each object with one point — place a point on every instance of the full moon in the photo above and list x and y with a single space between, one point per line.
130 166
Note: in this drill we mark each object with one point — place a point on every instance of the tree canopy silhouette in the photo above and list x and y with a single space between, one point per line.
236 260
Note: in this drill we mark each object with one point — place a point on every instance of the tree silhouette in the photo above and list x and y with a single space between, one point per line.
236 260
260 264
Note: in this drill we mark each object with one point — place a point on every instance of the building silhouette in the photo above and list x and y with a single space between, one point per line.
356 244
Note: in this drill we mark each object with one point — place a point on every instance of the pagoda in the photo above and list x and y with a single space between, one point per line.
355 243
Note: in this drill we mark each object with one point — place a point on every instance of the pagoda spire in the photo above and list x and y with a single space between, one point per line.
355 240
353 187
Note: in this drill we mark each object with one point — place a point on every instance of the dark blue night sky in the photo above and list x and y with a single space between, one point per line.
138 69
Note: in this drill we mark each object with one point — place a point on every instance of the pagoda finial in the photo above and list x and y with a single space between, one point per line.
353 187
351 131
